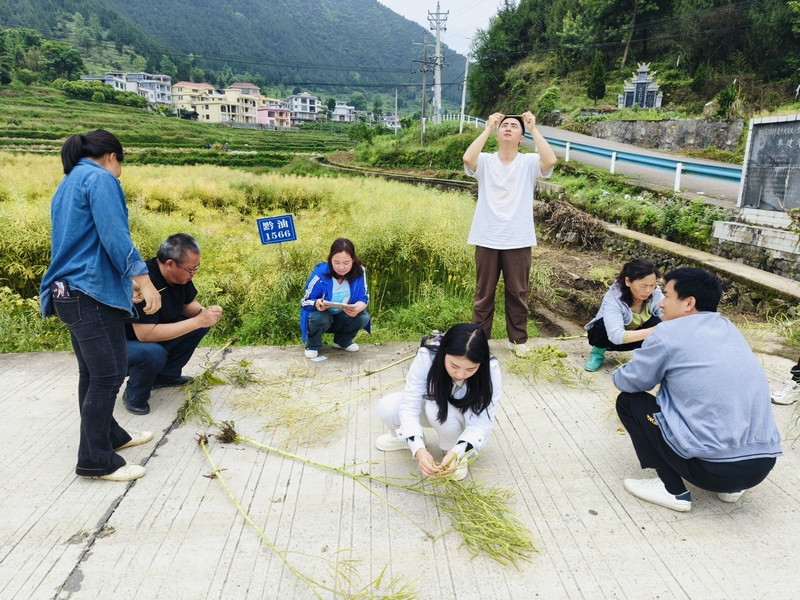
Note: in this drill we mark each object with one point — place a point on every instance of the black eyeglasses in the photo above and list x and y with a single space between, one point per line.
189 271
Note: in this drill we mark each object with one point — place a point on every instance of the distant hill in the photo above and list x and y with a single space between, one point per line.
313 44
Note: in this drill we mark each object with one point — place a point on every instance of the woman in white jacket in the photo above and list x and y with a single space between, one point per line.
629 313
453 386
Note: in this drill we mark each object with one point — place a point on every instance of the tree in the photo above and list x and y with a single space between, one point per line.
61 60
26 76
197 75
699 83
83 37
377 105
331 104
596 88
167 67
358 101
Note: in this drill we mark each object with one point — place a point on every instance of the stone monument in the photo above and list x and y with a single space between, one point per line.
642 90
764 235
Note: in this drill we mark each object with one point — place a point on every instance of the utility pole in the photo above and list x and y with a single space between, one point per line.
437 21
395 112
424 70
464 96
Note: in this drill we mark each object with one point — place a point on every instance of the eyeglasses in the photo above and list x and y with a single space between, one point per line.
189 271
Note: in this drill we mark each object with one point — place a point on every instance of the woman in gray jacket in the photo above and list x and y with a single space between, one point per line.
629 313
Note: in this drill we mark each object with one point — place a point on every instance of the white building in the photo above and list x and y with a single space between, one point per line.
343 113
156 88
304 107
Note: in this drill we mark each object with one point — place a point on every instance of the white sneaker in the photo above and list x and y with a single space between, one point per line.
730 496
127 473
390 443
351 348
788 394
137 438
462 470
653 491
519 349
311 353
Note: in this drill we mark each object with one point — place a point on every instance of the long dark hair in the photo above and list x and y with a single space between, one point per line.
461 340
345 245
95 144
636 269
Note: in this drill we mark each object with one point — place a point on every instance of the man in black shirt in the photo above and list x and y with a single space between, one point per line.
160 345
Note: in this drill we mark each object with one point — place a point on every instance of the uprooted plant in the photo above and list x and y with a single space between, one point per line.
477 512
342 571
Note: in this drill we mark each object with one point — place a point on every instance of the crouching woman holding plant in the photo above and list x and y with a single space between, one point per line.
629 313
453 386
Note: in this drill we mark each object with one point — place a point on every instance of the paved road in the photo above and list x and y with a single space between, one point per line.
176 534
713 191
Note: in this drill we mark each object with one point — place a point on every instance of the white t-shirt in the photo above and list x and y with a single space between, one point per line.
504 215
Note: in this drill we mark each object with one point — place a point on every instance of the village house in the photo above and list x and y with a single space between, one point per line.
343 113
274 112
304 107
157 89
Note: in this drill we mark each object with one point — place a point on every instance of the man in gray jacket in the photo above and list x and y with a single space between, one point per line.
711 423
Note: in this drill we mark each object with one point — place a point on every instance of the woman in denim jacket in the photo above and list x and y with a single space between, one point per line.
94 269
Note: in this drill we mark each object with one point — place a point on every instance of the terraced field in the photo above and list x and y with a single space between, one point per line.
37 119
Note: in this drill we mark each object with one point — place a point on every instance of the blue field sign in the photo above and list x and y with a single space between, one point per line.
274 230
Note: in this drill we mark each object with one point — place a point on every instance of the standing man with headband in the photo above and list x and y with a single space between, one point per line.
502 228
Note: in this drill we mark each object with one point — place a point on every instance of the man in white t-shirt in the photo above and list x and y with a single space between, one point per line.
502 228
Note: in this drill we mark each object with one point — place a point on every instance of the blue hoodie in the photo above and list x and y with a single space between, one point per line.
320 285
714 395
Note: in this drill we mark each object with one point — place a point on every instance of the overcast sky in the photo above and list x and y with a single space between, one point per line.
465 17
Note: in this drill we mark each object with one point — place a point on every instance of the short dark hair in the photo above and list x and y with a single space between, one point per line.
345 245
517 118
704 287
467 340
177 247
633 270
95 144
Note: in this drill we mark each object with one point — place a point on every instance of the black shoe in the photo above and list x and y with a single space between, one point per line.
162 382
136 409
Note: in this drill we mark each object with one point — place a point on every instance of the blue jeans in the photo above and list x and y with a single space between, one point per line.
98 338
148 360
343 327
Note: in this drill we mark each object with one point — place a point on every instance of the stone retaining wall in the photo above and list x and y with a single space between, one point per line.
683 134
748 297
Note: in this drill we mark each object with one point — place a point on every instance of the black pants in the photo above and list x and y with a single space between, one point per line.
98 338
598 337
636 411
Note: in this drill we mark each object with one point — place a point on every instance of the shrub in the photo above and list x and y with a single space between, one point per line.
26 76
548 101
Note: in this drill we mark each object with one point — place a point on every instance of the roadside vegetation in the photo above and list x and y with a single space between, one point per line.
411 239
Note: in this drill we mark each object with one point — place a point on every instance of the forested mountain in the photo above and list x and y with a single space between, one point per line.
349 44
700 40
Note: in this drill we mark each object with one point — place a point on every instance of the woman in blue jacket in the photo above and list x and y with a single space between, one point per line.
95 275
341 280
629 313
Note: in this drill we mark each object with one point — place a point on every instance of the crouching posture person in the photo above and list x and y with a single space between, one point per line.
453 386
160 345
711 423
